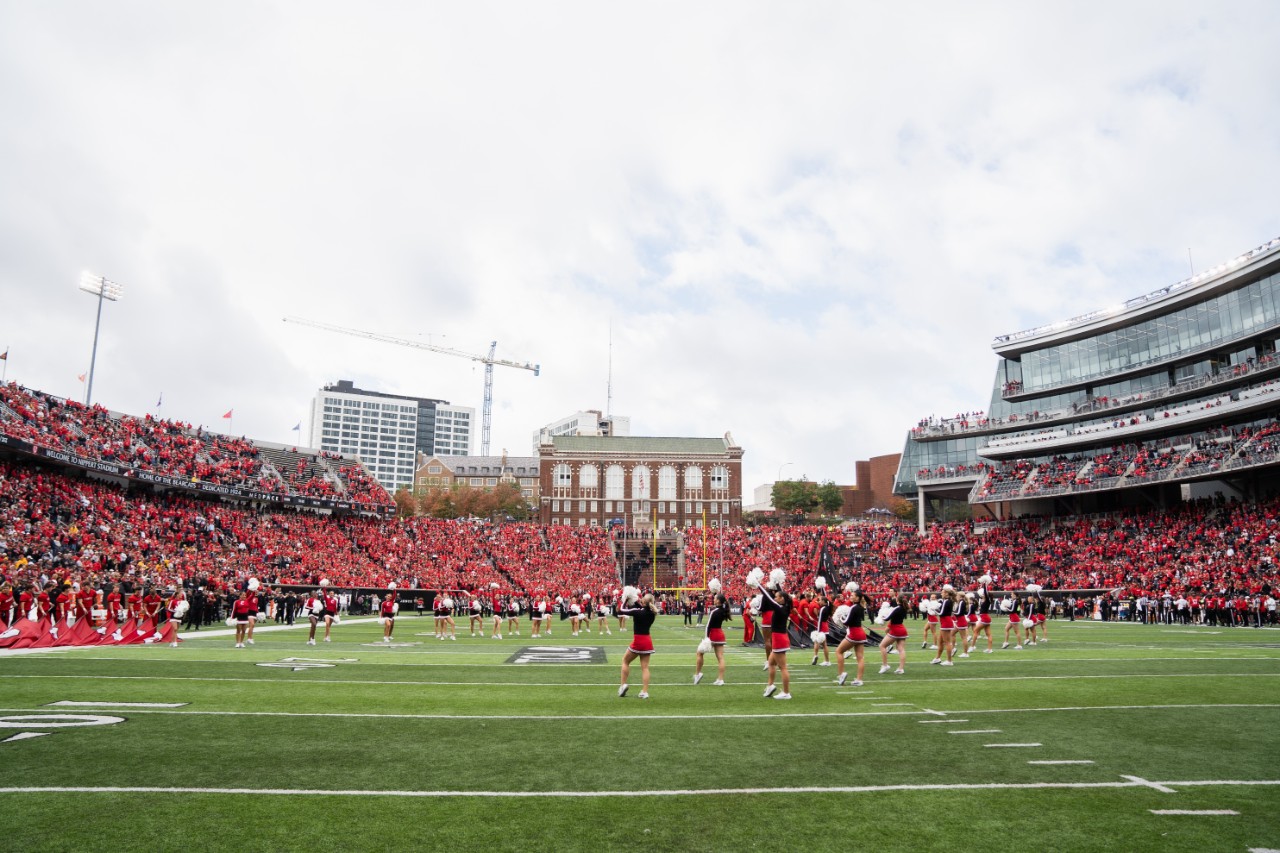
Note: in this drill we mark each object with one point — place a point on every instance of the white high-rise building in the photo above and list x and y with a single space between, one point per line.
387 431
589 422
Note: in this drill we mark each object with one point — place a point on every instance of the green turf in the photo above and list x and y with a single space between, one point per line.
460 730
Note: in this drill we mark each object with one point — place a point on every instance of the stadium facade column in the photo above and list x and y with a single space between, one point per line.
921 499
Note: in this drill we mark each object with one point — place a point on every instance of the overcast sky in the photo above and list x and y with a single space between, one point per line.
802 223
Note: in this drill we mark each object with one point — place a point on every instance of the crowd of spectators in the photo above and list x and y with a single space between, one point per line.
175 449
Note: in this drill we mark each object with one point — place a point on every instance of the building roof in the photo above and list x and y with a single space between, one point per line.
468 464
636 444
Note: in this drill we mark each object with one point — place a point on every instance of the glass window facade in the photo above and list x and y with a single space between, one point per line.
1196 328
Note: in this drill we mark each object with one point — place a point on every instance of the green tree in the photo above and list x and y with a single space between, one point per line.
795 496
830 498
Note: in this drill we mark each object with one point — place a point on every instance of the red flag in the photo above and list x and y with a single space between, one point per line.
81 377
28 632
228 414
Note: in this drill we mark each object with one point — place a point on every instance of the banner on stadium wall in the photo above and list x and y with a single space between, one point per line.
144 476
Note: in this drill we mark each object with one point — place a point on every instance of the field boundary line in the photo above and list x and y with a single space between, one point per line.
674 792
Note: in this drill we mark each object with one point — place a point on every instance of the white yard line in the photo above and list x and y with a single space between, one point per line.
676 792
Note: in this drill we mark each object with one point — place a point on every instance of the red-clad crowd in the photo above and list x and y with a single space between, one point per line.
176 449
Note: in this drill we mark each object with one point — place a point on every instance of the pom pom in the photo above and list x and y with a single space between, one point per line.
777 577
382 620
885 610
324 582
817 637
254 584
714 586
705 647
842 614
969 596
391 585
923 607
1033 587
946 587
755 605
984 580
820 582
493 585
559 600
851 586
337 620
630 595
231 621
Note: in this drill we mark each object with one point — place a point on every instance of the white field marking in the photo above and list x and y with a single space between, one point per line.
1186 631
975 732
25 736
69 704
1061 762
936 713
1263 850
1161 788
1195 811
550 717
942 721
688 792
1010 745
892 704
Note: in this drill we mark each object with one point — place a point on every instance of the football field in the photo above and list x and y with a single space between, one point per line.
1107 737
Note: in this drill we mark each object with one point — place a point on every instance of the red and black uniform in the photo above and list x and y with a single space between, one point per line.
715 624
330 606
6 606
947 616
984 606
389 609
244 605
897 615
853 623
642 620
779 641
822 616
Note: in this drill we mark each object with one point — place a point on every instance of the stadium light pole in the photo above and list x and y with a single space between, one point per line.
104 290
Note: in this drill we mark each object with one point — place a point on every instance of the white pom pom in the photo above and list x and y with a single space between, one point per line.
777 577
231 621
559 600
337 620
630 595
324 582
817 637
714 586
842 614
705 647
1033 587
493 585
969 595
984 580
946 587
391 585
923 607
254 584
820 582
885 610
755 605
851 586
382 620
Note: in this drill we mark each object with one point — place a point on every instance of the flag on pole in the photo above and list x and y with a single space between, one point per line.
81 378
4 356
160 402
298 428
228 414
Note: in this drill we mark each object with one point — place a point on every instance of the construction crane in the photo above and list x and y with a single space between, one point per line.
487 360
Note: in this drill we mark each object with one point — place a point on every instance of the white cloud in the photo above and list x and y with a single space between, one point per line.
804 224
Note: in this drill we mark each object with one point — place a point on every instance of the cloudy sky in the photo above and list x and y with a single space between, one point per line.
802 223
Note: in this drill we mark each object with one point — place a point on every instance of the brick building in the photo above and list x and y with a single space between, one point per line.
873 485
640 481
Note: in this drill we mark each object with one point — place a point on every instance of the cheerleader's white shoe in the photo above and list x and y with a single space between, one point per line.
697 676
885 669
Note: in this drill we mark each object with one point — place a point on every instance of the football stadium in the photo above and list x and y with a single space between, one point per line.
216 642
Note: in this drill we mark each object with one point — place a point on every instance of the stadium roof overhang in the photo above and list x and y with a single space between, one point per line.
1235 273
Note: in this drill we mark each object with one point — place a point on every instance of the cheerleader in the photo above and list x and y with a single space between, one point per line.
513 615
252 587
1010 605
1029 615
499 607
437 614
602 619
476 614
896 635
546 617
330 608
389 610
246 604
964 603
588 612
313 607
946 627
643 613
175 609
849 617
713 638
982 624
538 608
617 609
1042 617
575 617
821 624
931 609
781 604
450 626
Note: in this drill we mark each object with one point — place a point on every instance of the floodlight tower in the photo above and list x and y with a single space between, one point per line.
104 290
